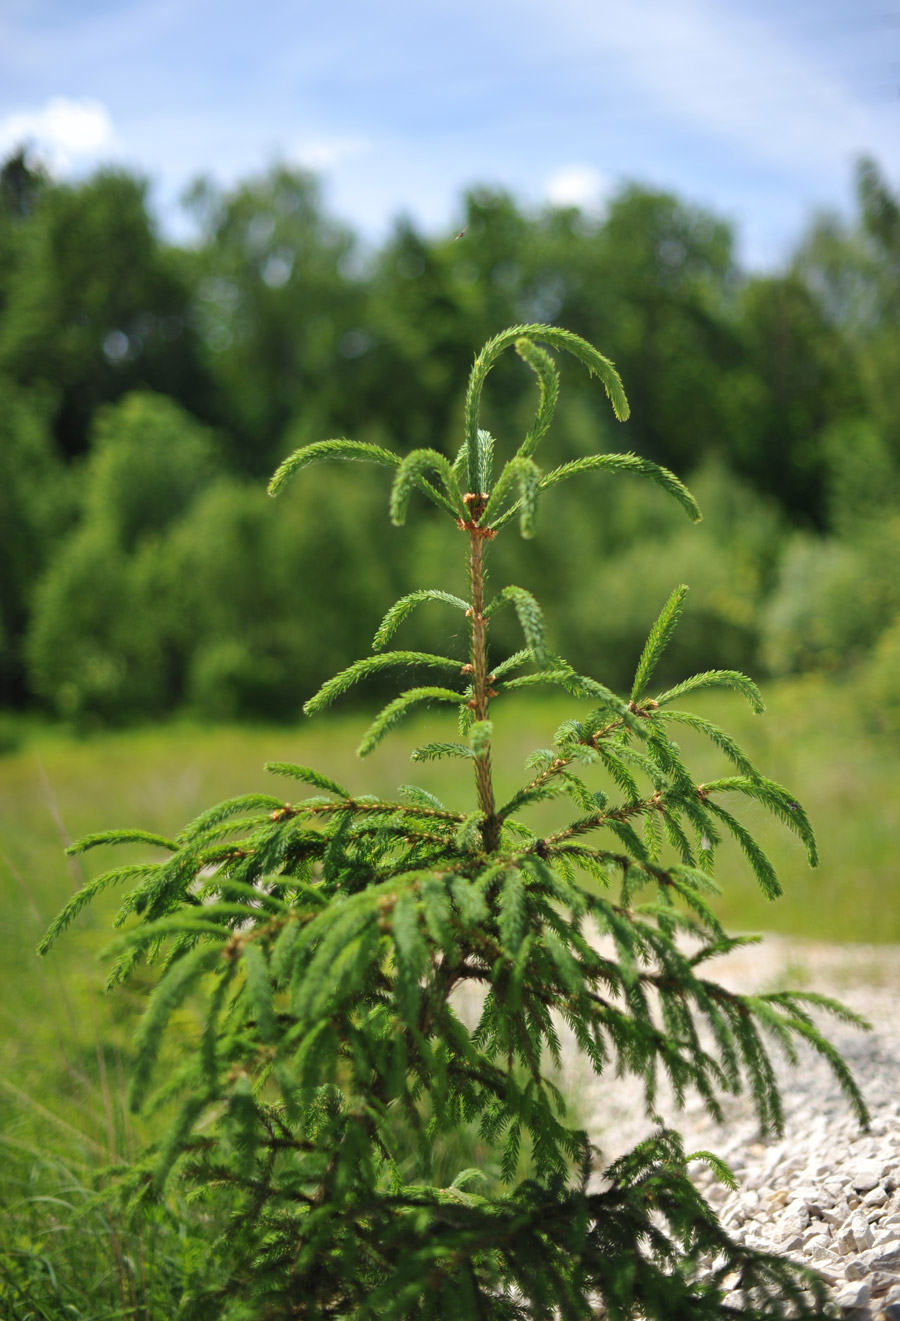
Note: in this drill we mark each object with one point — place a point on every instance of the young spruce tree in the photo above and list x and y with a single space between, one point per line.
323 942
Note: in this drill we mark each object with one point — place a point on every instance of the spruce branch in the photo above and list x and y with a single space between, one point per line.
530 618
512 663
398 709
657 641
556 338
358 450
541 364
714 733
521 478
435 751
410 476
625 463
401 609
86 895
484 461
379 807
716 679
322 450
120 837
777 799
361 669
166 998
225 811
308 775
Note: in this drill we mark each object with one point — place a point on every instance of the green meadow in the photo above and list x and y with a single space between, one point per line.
65 1043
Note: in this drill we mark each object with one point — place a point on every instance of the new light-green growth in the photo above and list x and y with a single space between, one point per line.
325 944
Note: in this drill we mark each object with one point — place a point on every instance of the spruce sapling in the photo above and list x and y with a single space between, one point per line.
325 942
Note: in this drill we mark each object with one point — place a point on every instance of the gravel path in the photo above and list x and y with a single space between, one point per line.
825 1194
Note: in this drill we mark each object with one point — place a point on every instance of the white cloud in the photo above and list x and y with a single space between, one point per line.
62 131
577 185
729 74
323 153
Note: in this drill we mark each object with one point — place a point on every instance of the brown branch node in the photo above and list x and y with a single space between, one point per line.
468 525
476 503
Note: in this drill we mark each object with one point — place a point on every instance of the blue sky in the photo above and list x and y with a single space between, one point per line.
754 108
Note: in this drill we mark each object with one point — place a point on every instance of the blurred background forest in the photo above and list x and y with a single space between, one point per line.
150 389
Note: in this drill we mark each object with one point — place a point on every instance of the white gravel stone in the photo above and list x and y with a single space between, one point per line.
885 1257
856 1269
836 1216
861 1231
867 1176
854 1295
825 1194
794 1220
845 1242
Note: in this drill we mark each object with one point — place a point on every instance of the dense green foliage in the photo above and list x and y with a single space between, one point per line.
370 976
276 322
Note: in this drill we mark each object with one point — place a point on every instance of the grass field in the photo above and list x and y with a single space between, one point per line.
63 1041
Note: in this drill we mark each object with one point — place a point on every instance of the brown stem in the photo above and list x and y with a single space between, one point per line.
322 809
490 828
592 822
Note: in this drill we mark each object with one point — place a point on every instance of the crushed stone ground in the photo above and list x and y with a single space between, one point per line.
825 1193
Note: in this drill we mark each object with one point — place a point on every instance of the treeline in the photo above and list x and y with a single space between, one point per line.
148 390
